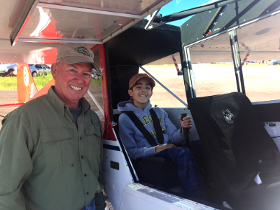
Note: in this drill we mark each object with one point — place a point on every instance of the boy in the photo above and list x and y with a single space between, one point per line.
137 146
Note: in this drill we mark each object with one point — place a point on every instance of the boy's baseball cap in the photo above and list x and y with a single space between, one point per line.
74 54
137 77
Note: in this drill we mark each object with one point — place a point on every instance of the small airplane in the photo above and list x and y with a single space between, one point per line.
123 42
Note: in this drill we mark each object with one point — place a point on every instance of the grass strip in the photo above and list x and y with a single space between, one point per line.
10 83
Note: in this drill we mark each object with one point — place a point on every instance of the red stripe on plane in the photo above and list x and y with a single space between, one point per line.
16 104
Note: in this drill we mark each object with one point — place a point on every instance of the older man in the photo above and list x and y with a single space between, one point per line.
51 147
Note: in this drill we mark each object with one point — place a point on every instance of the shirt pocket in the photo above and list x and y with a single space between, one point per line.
59 146
93 141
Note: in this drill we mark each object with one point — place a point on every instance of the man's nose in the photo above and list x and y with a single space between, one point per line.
80 77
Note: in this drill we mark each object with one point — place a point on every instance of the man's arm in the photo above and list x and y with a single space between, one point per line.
15 161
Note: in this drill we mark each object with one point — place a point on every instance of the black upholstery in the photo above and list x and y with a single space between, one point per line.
236 148
157 171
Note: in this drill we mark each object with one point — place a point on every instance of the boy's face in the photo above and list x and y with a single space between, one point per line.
141 93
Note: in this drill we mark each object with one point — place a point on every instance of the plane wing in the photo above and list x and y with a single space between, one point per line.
36 27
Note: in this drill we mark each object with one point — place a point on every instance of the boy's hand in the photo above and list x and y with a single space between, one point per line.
163 147
186 122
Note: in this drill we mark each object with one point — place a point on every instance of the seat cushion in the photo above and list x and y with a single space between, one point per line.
157 171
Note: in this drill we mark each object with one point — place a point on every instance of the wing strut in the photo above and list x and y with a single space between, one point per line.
193 11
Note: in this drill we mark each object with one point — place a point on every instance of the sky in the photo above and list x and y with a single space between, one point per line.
178 6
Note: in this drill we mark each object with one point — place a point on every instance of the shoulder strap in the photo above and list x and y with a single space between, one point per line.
157 126
141 128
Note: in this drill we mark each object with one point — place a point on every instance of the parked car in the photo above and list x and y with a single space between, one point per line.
95 74
275 62
8 68
39 69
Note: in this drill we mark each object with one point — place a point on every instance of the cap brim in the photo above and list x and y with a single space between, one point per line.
145 77
75 60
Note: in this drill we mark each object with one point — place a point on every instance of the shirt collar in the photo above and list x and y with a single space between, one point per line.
61 106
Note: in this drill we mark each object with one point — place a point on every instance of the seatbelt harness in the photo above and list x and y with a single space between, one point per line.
137 122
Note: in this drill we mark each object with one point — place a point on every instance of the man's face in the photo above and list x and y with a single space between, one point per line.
141 93
71 81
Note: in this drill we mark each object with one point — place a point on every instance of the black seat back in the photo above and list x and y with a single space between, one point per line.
235 142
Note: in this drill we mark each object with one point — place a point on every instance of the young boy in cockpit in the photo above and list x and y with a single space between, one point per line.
137 146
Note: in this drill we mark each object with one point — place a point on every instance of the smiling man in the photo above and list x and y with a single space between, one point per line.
53 159
72 81
161 139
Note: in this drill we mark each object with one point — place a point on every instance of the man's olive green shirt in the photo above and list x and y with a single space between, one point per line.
46 162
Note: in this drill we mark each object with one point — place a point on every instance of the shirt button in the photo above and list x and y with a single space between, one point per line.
82 156
85 175
80 138
87 193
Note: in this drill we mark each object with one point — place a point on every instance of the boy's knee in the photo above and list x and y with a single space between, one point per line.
180 151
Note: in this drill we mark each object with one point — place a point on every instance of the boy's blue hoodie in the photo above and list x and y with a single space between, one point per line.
135 143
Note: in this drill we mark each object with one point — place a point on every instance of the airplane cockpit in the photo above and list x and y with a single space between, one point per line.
226 84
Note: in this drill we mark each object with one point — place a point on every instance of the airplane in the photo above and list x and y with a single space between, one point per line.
26 87
123 42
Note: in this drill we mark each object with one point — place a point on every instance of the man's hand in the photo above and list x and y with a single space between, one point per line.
186 122
163 147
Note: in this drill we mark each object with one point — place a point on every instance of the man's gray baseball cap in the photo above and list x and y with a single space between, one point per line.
74 54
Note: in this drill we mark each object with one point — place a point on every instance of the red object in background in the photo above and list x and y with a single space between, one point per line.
175 63
26 87
25 83
16 104
45 89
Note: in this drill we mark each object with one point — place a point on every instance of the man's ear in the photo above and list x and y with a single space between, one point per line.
129 92
54 70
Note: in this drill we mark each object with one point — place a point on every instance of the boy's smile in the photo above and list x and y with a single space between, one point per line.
141 93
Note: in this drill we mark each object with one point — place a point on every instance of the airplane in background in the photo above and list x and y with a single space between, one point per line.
26 87
123 42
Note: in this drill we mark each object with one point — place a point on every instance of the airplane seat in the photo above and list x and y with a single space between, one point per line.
242 160
154 171
157 171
